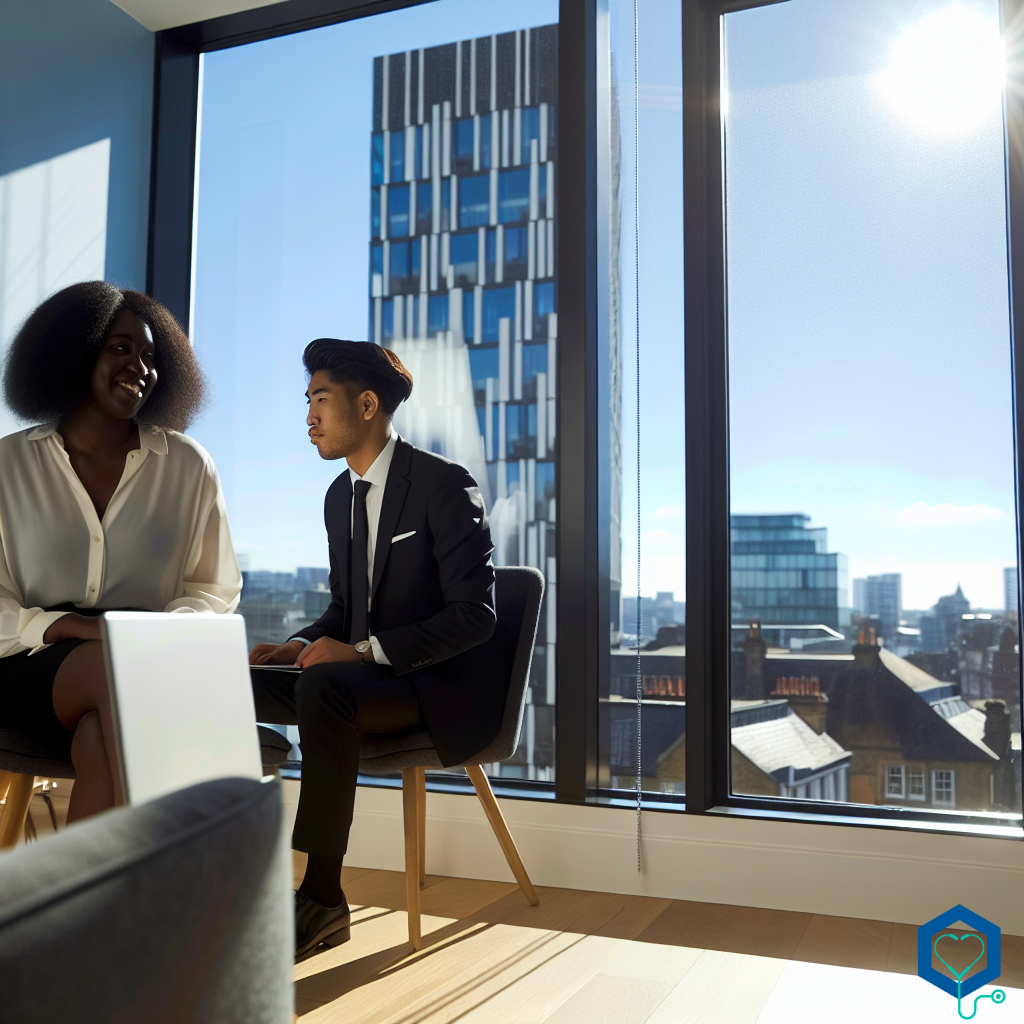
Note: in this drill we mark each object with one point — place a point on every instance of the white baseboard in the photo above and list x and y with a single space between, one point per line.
841 871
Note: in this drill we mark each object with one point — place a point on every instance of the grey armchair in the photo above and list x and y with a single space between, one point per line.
518 592
176 911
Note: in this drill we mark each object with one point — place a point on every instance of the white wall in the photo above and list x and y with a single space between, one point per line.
871 873
53 232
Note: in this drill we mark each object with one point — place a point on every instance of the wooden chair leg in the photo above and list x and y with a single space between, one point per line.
421 811
504 837
12 821
410 808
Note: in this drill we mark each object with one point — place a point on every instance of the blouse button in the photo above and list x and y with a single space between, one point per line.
92 590
96 539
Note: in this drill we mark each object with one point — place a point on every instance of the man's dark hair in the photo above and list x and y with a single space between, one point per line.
364 364
47 370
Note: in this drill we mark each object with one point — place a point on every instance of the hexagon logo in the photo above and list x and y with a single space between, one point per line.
935 937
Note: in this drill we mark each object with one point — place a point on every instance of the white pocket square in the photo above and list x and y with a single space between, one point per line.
402 536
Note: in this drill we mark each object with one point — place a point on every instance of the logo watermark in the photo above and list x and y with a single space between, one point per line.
936 940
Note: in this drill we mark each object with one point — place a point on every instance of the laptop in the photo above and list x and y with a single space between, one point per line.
181 699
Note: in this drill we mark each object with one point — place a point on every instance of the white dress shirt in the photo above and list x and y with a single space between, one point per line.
163 543
376 476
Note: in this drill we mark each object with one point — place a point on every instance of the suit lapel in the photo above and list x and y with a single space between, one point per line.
344 539
395 490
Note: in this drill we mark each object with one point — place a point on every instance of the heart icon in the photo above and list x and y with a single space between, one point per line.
959 975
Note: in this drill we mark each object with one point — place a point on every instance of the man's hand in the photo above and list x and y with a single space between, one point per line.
327 650
73 627
276 654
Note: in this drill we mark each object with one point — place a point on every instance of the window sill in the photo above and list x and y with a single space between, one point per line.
957 828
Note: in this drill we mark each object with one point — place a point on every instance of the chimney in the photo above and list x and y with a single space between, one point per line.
997 738
805 698
754 651
865 651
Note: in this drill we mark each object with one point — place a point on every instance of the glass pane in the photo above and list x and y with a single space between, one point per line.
330 182
873 505
660 632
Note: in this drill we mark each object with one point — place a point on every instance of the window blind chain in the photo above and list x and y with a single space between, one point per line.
636 278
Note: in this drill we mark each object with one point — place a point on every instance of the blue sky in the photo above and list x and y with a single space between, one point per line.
283 232
869 332
868 318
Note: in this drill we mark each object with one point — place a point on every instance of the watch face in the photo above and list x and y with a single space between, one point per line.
363 646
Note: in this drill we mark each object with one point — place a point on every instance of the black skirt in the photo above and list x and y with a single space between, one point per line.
26 692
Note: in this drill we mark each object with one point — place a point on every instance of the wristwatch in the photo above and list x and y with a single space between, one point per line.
362 647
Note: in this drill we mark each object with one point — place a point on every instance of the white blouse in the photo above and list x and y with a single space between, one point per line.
163 543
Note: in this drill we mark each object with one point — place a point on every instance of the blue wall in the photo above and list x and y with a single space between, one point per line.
73 72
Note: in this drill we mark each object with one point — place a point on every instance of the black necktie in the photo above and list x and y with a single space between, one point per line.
360 587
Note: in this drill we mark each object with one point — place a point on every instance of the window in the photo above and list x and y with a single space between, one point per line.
498 304
398 211
660 633
424 207
837 177
513 196
485 141
299 237
474 201
464 146
397 140
943 788
464 259
446 204
377 159
402 279
516 255
530 133
437 314
894 781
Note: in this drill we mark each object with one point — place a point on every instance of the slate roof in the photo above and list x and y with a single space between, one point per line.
895 705
781 743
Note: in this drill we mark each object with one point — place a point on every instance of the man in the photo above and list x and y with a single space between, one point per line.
404 644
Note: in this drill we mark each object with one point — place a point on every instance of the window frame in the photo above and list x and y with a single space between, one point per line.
582 535
893 771
708 564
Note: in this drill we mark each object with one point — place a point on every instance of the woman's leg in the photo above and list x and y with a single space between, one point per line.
81 700
93 790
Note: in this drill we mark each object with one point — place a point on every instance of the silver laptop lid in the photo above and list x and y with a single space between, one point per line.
182 700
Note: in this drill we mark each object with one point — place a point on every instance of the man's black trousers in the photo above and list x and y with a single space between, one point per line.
332 704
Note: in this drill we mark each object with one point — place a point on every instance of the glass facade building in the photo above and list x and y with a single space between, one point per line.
783 573
462 287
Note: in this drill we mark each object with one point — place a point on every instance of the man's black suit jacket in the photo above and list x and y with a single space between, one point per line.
432 595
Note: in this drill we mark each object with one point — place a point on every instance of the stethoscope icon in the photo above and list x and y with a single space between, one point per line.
998 996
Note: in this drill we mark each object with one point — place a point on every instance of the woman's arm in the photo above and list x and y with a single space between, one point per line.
22 628
212 582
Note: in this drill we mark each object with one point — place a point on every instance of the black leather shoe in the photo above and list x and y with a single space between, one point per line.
316 925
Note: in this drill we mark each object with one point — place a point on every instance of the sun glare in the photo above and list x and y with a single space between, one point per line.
946 72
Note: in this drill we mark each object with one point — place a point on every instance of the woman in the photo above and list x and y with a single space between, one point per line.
106 505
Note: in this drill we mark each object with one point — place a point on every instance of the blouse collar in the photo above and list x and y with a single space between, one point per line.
150 437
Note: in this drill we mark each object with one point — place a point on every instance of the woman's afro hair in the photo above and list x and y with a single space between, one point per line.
47 370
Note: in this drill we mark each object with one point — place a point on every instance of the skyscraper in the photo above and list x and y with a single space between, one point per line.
782 573
883 598
462 287
1010 590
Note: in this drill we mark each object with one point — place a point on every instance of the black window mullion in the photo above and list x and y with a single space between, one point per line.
1011 13
577 460
172 171
707 422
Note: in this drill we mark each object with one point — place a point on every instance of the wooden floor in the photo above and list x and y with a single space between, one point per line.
586 958
595 958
